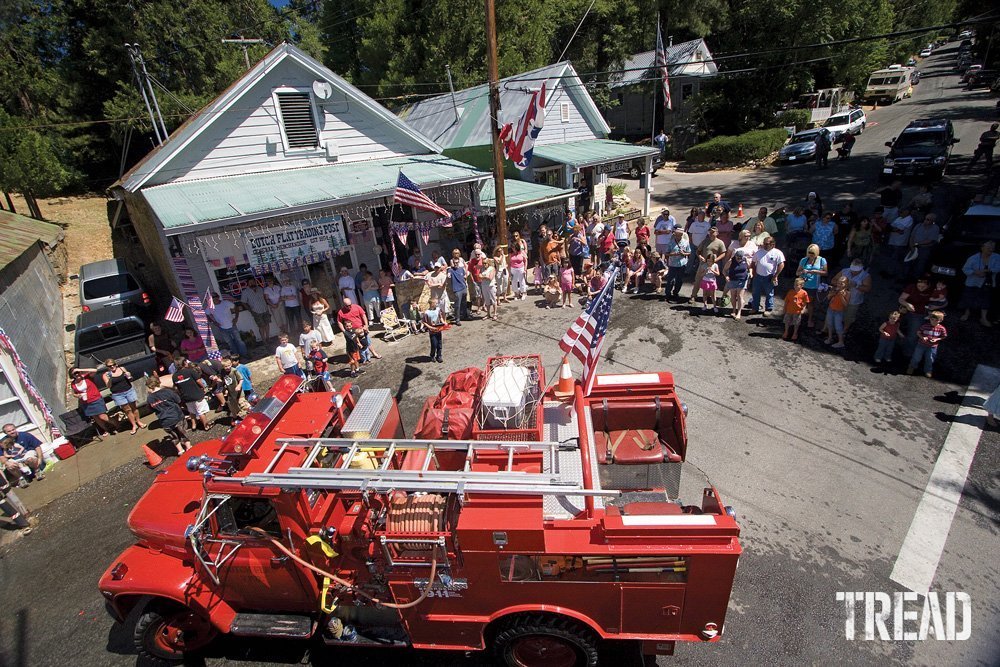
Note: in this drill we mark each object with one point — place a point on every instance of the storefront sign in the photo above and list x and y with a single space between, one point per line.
360 226
299 243
612 168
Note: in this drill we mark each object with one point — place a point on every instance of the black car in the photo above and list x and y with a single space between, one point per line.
922 149
983 78
114 332
963 238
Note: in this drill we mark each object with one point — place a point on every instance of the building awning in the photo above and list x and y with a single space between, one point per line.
588 152
521 194
187 205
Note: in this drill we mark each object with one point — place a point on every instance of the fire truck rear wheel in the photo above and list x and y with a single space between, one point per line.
535 640
166 633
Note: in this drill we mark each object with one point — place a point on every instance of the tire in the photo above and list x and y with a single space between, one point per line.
536 640
862 130
634 172
158 633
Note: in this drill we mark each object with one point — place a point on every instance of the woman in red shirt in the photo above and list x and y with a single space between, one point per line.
91 402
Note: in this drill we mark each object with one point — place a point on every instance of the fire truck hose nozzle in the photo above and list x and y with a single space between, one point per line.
346 584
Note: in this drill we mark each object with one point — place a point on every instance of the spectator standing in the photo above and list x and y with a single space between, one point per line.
347 286
606 244
861 242
191 388
824 233
887 335
923 238
166 404
353 314
253 297
930 334
307 337
21 453
715 209
371 296
552 249
642 233
437 282
698 230
758 233
737 273
320 366
980 272
567 281
663 229
890 199
487 286
272 293
119 381
91 403
914 301
518 271
796 227
475 269
434 321
457 278
622 232
162 345
823 149
246 379
987 144
354 348
725 228
232 389
503 274
677 252
709 282
812 206
223 315
796 301
860 283
320 317
811 269
712 245
385 290
286 356
767 264
899 238
594 232
838 298
291 304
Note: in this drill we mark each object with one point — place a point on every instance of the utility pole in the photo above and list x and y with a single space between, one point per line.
493 74
451 86
244 43
146 88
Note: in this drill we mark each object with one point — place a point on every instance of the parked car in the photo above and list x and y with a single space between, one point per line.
963 236
115 332
926 53
108 283
911 62
982 78
852 121
915 77
922 149
965 34
801 147
969 71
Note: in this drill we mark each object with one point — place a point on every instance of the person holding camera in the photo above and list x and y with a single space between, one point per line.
980 273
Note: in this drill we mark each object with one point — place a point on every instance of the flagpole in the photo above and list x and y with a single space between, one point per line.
500 213
652 121
610 285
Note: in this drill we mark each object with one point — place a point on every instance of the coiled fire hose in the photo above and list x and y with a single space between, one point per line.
348 585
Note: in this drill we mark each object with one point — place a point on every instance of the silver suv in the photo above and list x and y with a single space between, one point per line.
109 283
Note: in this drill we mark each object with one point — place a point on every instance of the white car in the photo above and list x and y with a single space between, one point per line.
852 121
925 53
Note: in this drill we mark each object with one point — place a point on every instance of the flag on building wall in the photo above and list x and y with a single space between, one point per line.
409 194
585 337
519 142
175 313
660 62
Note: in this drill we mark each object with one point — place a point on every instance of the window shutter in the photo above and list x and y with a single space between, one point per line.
564 112
297 118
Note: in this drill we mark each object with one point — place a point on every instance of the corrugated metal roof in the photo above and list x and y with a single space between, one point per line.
190 203
18 233
518 193
435 117
592 151
680 55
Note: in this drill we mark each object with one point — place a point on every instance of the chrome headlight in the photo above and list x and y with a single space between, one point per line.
889 162
940 160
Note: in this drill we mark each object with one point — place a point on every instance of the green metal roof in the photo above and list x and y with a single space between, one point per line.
588 152
518 194
19 232
191 203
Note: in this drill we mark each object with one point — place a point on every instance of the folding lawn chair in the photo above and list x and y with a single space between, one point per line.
394 327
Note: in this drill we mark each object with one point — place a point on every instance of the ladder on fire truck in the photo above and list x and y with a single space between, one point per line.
370 465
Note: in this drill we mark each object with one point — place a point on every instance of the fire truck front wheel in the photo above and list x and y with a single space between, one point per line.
166 633
534 640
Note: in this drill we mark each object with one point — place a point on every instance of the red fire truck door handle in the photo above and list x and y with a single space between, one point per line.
671 610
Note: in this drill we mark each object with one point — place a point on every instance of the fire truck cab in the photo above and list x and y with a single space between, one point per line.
516 520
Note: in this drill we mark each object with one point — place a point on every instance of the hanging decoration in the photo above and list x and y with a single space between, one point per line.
183 272
22 372
425 236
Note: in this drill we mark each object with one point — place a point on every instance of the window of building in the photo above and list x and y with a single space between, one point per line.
564 112
298 121
687 90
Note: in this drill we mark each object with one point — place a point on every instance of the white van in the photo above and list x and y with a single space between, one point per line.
889 85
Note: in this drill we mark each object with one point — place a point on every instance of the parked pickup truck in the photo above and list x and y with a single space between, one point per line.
115 332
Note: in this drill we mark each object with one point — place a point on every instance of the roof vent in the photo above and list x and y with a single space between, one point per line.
298 120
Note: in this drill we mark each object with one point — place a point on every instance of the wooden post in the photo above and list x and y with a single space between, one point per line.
10 202
493 74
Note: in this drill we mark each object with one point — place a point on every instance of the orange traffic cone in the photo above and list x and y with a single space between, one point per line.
739 211
565 386
152 458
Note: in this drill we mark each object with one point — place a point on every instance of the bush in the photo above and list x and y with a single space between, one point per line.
730 151
799 118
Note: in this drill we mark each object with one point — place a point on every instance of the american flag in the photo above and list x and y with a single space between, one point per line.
175 313
660 61
408 193
208 301
519 142
585 337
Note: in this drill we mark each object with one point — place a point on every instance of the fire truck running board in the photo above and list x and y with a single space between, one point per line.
319 472
285 626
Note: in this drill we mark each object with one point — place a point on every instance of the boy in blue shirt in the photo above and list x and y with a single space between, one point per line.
246 377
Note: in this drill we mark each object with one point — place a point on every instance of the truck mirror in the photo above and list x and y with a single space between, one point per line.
74 276
70 328
889 143
955 141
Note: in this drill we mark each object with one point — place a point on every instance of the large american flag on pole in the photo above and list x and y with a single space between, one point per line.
660 62
519 142
585 337
408 193
175 313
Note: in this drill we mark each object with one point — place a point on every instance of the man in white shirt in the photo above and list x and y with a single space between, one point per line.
663 229
899 235
286 356
768 263
253 297
290 301
224 317
697 233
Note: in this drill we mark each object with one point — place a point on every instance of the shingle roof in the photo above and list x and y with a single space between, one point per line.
190 203
18 233
678 56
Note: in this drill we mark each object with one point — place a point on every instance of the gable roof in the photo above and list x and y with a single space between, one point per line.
435 117
679 58
19 232
149 165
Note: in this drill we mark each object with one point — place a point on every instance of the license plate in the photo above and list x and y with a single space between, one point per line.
887 170
791 157
910 171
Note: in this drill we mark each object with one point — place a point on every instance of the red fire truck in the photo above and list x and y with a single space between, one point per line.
516 519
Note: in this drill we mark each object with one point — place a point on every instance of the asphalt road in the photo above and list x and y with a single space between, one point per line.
824 457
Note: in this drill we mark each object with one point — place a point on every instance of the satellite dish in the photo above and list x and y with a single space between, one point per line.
322 90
